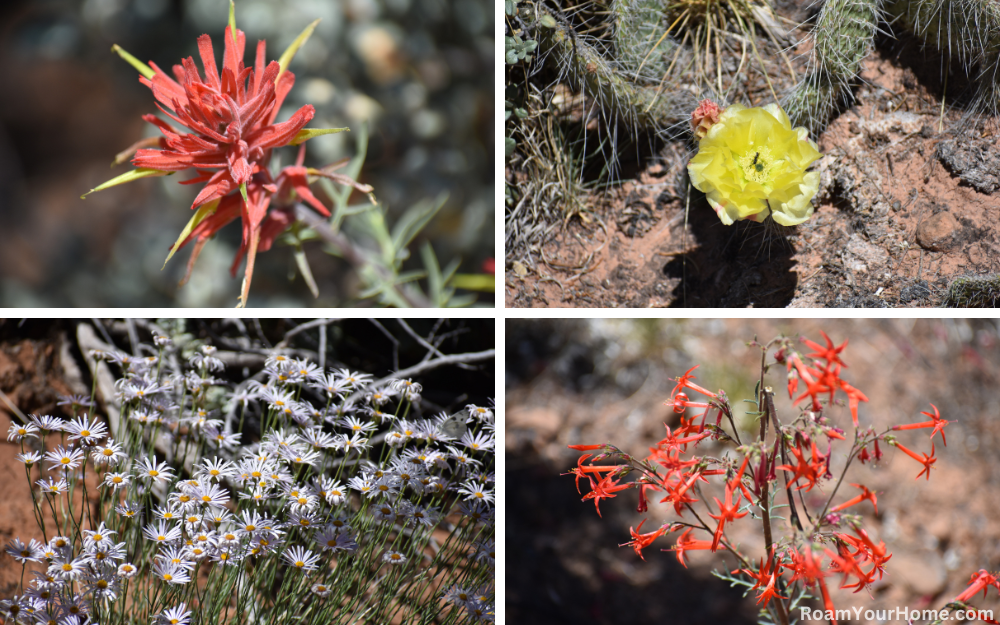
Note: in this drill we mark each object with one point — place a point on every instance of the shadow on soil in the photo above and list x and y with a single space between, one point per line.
733 266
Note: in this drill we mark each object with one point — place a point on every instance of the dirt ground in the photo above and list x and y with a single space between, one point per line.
32 377
597 381
908 202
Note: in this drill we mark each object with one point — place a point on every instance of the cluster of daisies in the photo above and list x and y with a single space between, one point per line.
308 495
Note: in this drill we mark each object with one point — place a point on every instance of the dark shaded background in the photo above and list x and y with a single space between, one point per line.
419 72
602 380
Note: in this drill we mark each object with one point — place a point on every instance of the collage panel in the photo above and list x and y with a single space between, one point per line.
189 471
209 153
752 470
733 154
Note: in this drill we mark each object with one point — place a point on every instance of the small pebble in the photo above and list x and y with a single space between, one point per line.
937 232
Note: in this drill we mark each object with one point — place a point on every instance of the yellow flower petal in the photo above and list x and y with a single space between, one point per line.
753 163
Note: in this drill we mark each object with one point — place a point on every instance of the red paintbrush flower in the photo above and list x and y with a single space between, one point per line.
231 118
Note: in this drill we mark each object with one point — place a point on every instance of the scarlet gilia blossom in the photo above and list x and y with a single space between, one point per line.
823 379
927 461
865 494
641 541
980 581
808 470
936 422
829 353
765 576
607 486
686 543
226 131
806 568
727 513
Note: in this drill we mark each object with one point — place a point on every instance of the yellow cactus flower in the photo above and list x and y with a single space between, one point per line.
752 163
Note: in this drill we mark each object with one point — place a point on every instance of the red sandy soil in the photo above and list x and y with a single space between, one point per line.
579 382
30 376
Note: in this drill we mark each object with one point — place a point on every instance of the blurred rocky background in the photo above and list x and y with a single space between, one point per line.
419 73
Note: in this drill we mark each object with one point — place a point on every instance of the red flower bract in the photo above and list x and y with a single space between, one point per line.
233 116
228 133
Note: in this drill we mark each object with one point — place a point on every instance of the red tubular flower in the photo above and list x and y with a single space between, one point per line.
814 387
810 470
677 493
806 568
854 396
765 578
927 461
980 581
685 382
641 541
726 513
829 353
605 489
844 562
936 422
865 494
686 543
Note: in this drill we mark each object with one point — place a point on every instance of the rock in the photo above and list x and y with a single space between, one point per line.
938 232
975 162
917 290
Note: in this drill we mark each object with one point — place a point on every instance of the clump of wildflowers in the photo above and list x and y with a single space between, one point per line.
307 515
763 474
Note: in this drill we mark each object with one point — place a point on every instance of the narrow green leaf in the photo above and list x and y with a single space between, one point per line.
144 69
243 192
474 282
435 281
128 176
414 219
308 133
199 216
303 263
286 57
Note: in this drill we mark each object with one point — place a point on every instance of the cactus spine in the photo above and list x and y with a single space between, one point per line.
639 43
585 66
843 38
968 28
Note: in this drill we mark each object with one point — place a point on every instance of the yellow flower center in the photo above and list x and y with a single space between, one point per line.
757 165
153 473
85 433
67 567
108 452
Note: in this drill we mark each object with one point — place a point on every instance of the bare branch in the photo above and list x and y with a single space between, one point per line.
303 327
